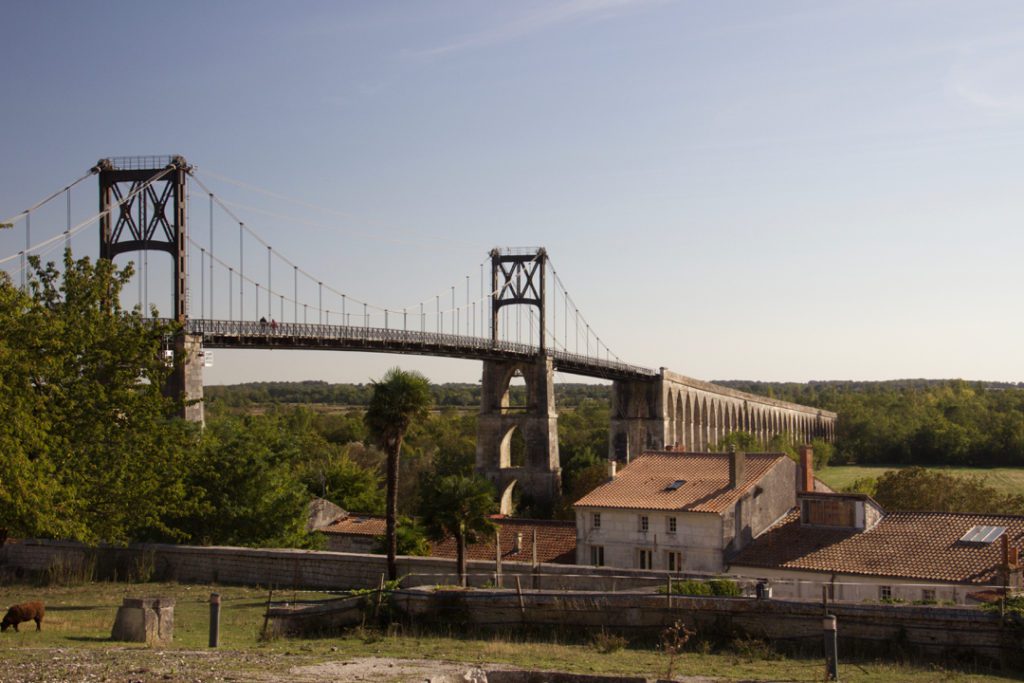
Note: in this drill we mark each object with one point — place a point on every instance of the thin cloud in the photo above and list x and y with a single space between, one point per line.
535 22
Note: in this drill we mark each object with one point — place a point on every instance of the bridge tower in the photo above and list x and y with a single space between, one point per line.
142 214
527 460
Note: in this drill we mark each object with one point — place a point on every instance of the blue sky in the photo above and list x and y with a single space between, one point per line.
774 191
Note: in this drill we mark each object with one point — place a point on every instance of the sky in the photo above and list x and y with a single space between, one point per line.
783 191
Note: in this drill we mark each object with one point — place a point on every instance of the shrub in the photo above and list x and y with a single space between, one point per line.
607 643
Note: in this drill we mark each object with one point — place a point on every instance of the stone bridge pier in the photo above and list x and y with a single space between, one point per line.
672 411
517 442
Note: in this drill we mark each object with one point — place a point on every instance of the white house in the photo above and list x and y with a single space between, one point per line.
678 511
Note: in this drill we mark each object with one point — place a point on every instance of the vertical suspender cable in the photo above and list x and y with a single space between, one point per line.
467 306
212 314
453 310
320 287
343 318
269 288
202 282
231 294
241 272
295 291
67 233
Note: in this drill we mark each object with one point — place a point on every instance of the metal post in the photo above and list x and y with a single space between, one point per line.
214 619
423 319
366 317
437 307
343 310
467 305
454 331
828 624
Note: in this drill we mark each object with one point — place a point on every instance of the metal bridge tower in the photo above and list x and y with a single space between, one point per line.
529 460
141 214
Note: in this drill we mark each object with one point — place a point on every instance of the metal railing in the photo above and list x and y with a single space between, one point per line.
285 334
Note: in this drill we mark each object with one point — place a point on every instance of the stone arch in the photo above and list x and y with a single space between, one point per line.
688 422
513 448
680 422
713 423
507 507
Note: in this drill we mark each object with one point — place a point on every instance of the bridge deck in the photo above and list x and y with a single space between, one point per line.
237 334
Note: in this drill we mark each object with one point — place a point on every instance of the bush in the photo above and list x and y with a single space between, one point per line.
714 587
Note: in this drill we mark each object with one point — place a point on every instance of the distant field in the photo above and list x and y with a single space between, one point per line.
1004 479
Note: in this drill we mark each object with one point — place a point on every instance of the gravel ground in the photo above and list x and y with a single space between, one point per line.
133 665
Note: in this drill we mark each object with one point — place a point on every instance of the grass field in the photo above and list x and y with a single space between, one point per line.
74 645
1003 479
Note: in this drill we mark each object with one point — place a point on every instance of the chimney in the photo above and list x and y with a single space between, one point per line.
613 465
737 464
806 482
517 546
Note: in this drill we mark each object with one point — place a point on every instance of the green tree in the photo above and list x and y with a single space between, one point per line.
916 488
411 538
93 450
248 489
399 399
460 506
743 441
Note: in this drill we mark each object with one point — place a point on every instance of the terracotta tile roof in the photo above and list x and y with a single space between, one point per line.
357 525
643 483
914 545
556 542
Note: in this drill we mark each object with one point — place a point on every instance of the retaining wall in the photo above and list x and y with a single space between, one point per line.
948 633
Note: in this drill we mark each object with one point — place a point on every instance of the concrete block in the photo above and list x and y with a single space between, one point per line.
144 620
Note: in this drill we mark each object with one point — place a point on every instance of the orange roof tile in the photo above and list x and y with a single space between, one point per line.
556 542
358 525
915 545
643 483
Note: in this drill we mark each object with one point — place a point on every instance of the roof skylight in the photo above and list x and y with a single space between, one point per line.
983 534
676 484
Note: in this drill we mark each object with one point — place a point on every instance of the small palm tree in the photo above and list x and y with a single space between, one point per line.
460 506
399 399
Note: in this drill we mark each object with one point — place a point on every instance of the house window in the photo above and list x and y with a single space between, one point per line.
671 525
644 524
885 592
644 559
597 520
674 561
597 555
928 594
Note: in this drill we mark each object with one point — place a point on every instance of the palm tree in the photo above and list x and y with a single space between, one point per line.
398 399
460 506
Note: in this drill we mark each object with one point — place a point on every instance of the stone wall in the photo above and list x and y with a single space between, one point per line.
299 568
930 631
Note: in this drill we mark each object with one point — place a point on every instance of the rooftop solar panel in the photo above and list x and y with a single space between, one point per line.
983 534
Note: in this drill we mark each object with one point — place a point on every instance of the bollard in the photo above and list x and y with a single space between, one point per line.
214 619
831 648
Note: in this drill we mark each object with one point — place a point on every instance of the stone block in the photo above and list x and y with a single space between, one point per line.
144 620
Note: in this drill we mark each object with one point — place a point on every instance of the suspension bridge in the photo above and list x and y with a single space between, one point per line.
231 288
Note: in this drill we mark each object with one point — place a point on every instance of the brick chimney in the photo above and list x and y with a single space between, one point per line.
737 465
806 482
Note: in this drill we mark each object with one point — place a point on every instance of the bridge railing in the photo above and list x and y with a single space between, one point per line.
389 337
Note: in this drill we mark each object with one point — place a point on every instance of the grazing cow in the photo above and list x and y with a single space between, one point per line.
26 611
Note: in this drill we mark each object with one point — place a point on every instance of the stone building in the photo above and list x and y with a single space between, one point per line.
683 512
